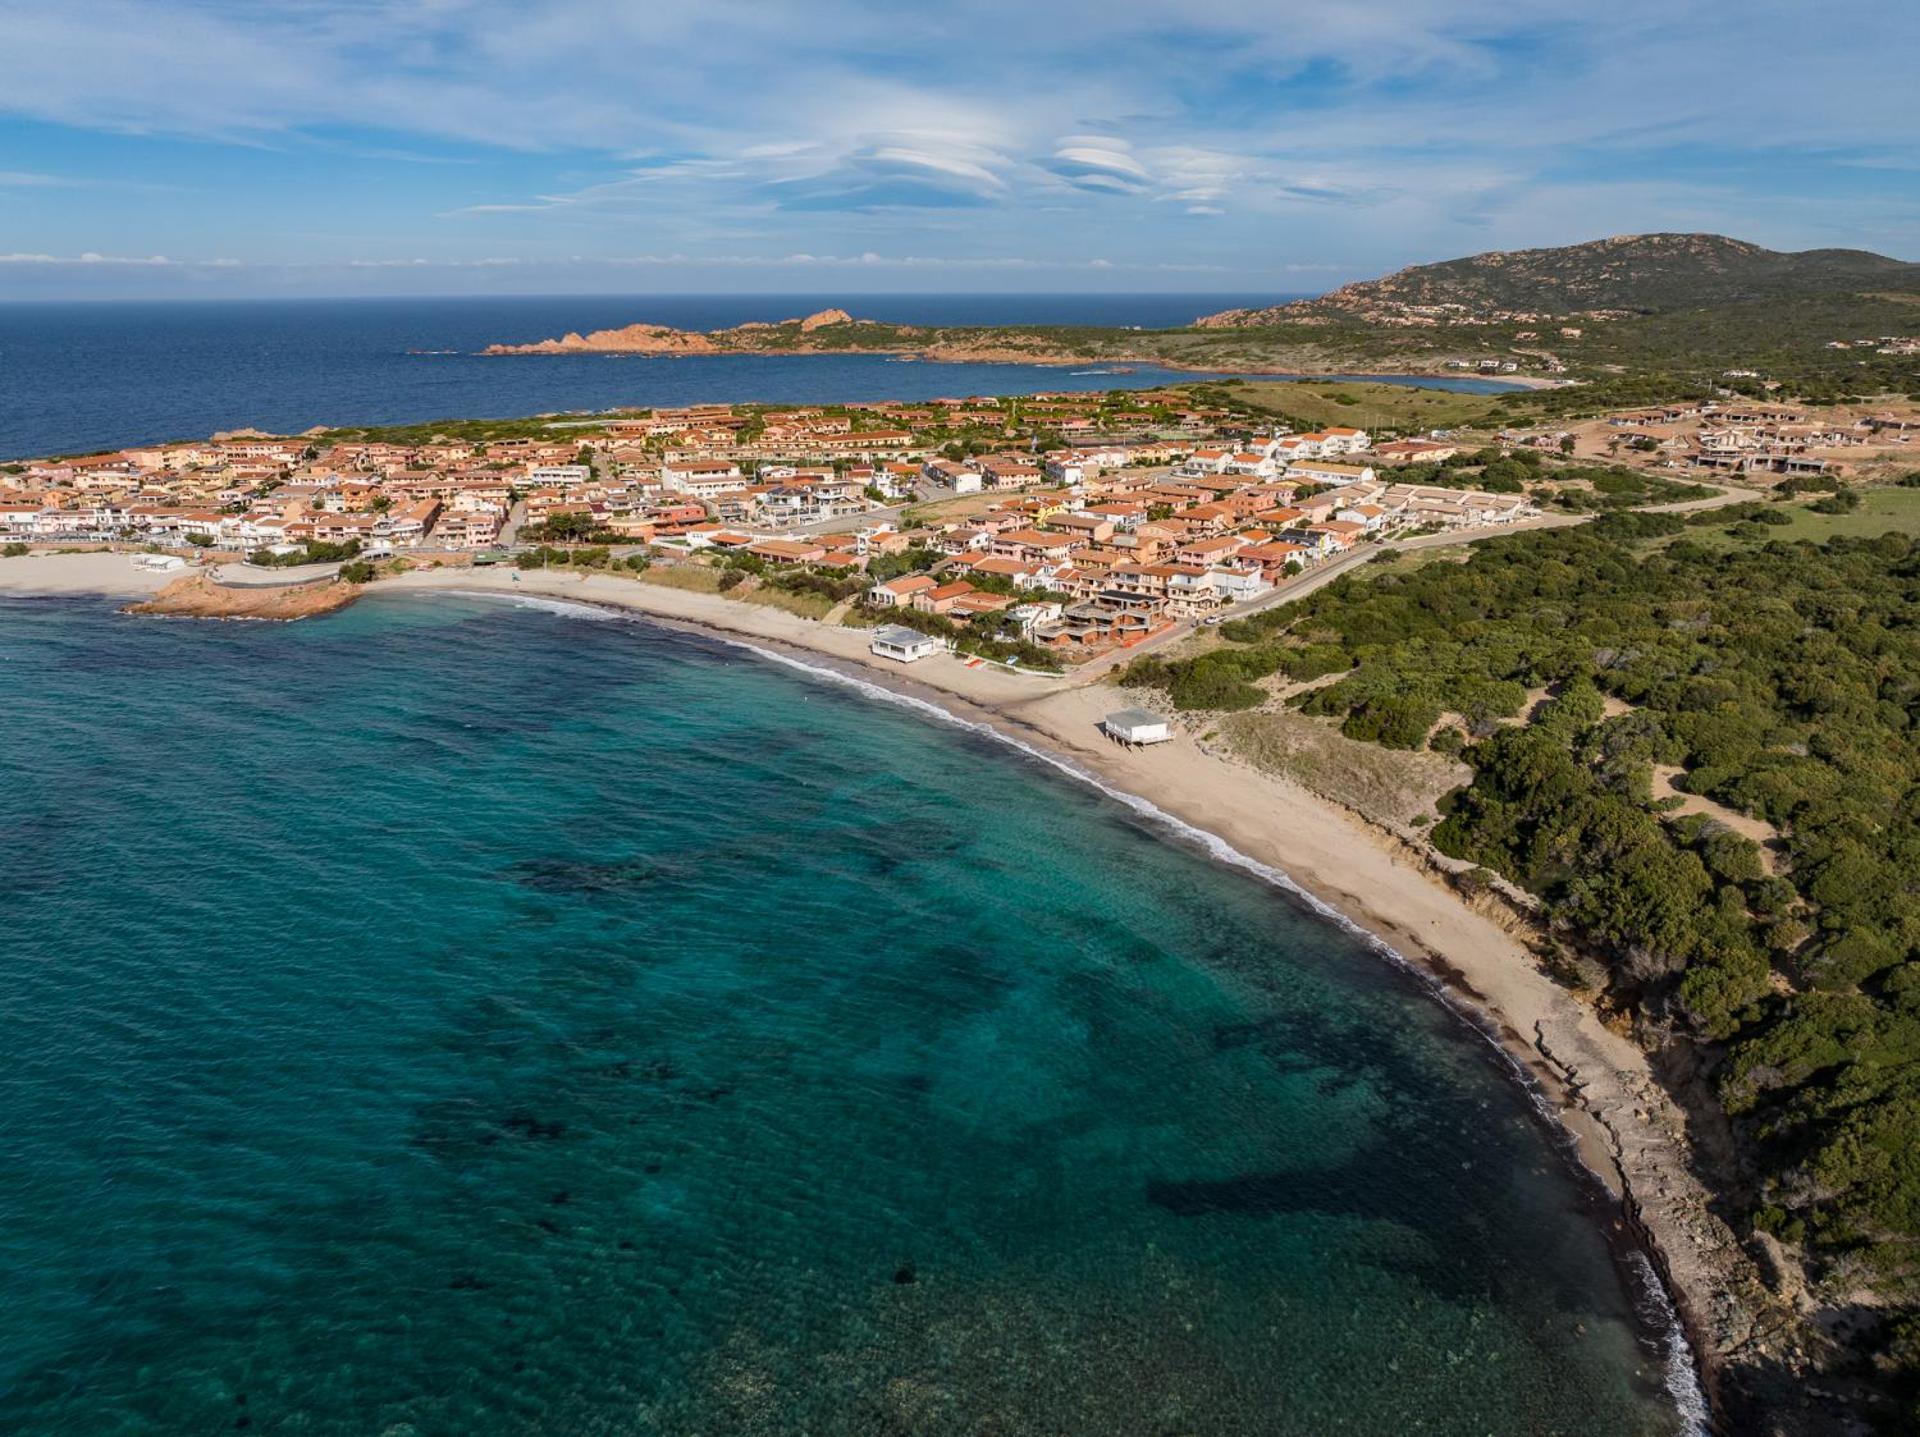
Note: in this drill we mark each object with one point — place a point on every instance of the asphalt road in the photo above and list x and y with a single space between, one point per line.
1296 589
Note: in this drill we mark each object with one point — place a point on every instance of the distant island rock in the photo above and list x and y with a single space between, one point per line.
754 335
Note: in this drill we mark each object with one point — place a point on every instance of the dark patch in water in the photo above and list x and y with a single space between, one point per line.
1242 1195
586 878
527 1126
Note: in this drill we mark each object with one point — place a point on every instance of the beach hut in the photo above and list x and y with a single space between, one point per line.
1136 726
897 641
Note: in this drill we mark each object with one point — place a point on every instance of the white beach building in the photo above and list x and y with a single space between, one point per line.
1136 726
897 641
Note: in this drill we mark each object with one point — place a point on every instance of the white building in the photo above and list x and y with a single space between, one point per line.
897 641
1134 726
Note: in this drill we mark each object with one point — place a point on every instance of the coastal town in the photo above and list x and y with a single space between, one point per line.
1145 516
1112 577
1070 524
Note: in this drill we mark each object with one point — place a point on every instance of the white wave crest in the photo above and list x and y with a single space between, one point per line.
572 609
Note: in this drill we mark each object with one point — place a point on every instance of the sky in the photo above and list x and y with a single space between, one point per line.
230 148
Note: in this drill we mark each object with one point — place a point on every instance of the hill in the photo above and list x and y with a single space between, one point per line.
1625 275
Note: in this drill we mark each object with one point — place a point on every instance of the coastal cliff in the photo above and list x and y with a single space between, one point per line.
199 596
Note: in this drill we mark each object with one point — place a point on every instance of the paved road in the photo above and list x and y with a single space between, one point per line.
1294 590
510 526
249 576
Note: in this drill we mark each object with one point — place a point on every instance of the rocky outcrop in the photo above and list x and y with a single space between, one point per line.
631 339
198 596
756 336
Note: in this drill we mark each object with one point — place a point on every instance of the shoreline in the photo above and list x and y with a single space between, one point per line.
1595 1087
1515 382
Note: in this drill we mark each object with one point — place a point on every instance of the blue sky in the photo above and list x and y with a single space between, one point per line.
319 147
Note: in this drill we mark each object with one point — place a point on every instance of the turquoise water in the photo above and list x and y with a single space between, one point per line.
451 1017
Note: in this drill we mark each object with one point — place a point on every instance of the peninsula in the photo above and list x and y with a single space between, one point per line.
1642 317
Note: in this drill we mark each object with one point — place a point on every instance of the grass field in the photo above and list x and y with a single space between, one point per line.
1368 406
1881 511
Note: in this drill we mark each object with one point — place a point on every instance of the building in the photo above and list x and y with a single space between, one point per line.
1136 726
896 641
897 593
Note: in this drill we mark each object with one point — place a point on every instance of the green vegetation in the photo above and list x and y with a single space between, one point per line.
459 431
1406 408
312 552
915 560
16 550
570 528
1783 679
358 571
1873 512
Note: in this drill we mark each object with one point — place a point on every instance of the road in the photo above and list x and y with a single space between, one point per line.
250 576
1293 590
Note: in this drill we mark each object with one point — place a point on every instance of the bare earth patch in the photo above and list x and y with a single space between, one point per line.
1386 786
1744 824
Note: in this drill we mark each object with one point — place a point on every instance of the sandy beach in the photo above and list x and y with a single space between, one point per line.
51 575
1598 1083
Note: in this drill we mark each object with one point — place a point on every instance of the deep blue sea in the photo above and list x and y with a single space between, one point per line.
80 377
453 1017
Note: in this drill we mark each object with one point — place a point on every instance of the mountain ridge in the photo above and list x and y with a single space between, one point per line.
1615 277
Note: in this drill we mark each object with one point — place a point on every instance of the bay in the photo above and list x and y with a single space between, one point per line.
456 1017
82 377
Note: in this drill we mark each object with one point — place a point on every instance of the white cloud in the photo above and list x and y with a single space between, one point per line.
1372 128
90 258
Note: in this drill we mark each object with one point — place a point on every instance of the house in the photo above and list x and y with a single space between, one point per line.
941 598
1035 544
788 551
1094 528
702 478
896 641
898 593
1319 471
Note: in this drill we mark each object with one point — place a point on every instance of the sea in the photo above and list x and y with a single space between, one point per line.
462 1016
80 377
